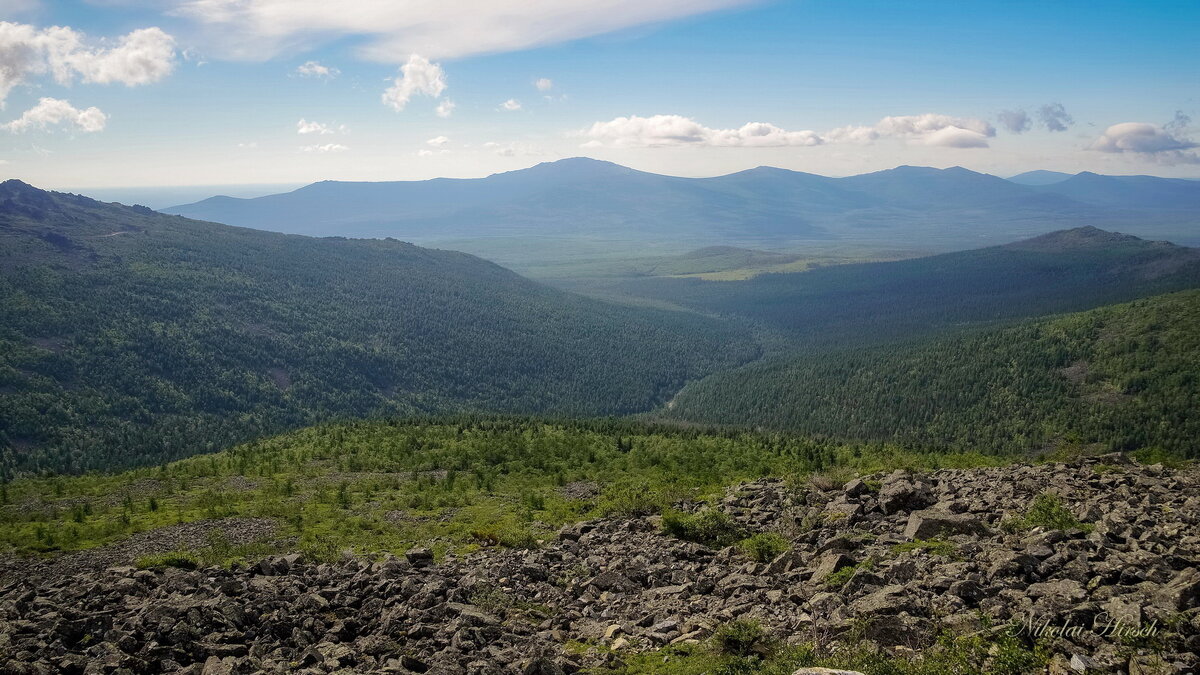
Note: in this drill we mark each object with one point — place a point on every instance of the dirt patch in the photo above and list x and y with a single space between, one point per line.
281 379
239 484
53 344
1075 373
583 489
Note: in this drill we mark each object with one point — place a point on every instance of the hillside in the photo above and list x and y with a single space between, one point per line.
1129 192
1122 377
876 302
570 206
127 336
518 546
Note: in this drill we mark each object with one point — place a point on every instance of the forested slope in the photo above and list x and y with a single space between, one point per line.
865 303
1125 377
127 336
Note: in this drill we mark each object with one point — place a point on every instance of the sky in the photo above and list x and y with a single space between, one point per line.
122 93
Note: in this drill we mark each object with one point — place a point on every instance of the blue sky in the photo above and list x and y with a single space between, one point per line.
206 92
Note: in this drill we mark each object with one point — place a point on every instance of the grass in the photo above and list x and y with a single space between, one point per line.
840 578
938 547
379 487
746 648
181 559
1047 511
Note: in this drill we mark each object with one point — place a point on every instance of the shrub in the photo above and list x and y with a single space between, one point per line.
1046 511
709 527
743 637
764 546
631 500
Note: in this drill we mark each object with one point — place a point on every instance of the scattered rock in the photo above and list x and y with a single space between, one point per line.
626 583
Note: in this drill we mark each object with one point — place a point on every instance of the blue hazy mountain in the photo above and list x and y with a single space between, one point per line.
1040 177
585 199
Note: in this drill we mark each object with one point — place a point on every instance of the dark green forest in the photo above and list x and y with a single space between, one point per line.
1124 377
873 303
128 337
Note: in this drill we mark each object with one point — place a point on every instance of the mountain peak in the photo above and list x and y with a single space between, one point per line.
1075 238
13 187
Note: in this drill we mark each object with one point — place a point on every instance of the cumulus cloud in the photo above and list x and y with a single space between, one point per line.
52 112
417 76
513 149
927 129
1054 117
676 130
327 147
511 105
437 142
1016 121
314 69
392 30
543 84
140 57
1149 141
306 127
445 108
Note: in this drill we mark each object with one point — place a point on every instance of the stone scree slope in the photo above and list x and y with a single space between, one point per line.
624 585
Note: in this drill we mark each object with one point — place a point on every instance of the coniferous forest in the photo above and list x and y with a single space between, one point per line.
130 337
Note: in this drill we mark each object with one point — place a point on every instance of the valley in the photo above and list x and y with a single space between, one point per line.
847 454
599 337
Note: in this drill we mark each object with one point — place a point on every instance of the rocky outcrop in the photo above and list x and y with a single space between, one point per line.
895 561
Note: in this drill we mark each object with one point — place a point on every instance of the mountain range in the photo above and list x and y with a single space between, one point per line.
583 200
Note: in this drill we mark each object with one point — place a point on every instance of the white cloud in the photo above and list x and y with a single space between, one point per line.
1016 121
955 137
306 127
543 84
927 129
314 69
248 146
425 153
1149 141
1054 117
417 76
50 112
513 149
327 147
676 130
438 141
257 29
140 57
511 105
445 108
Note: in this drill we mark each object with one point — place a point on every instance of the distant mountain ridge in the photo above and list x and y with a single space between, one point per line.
581 198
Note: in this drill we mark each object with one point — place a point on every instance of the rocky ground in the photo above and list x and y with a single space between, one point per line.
890 561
